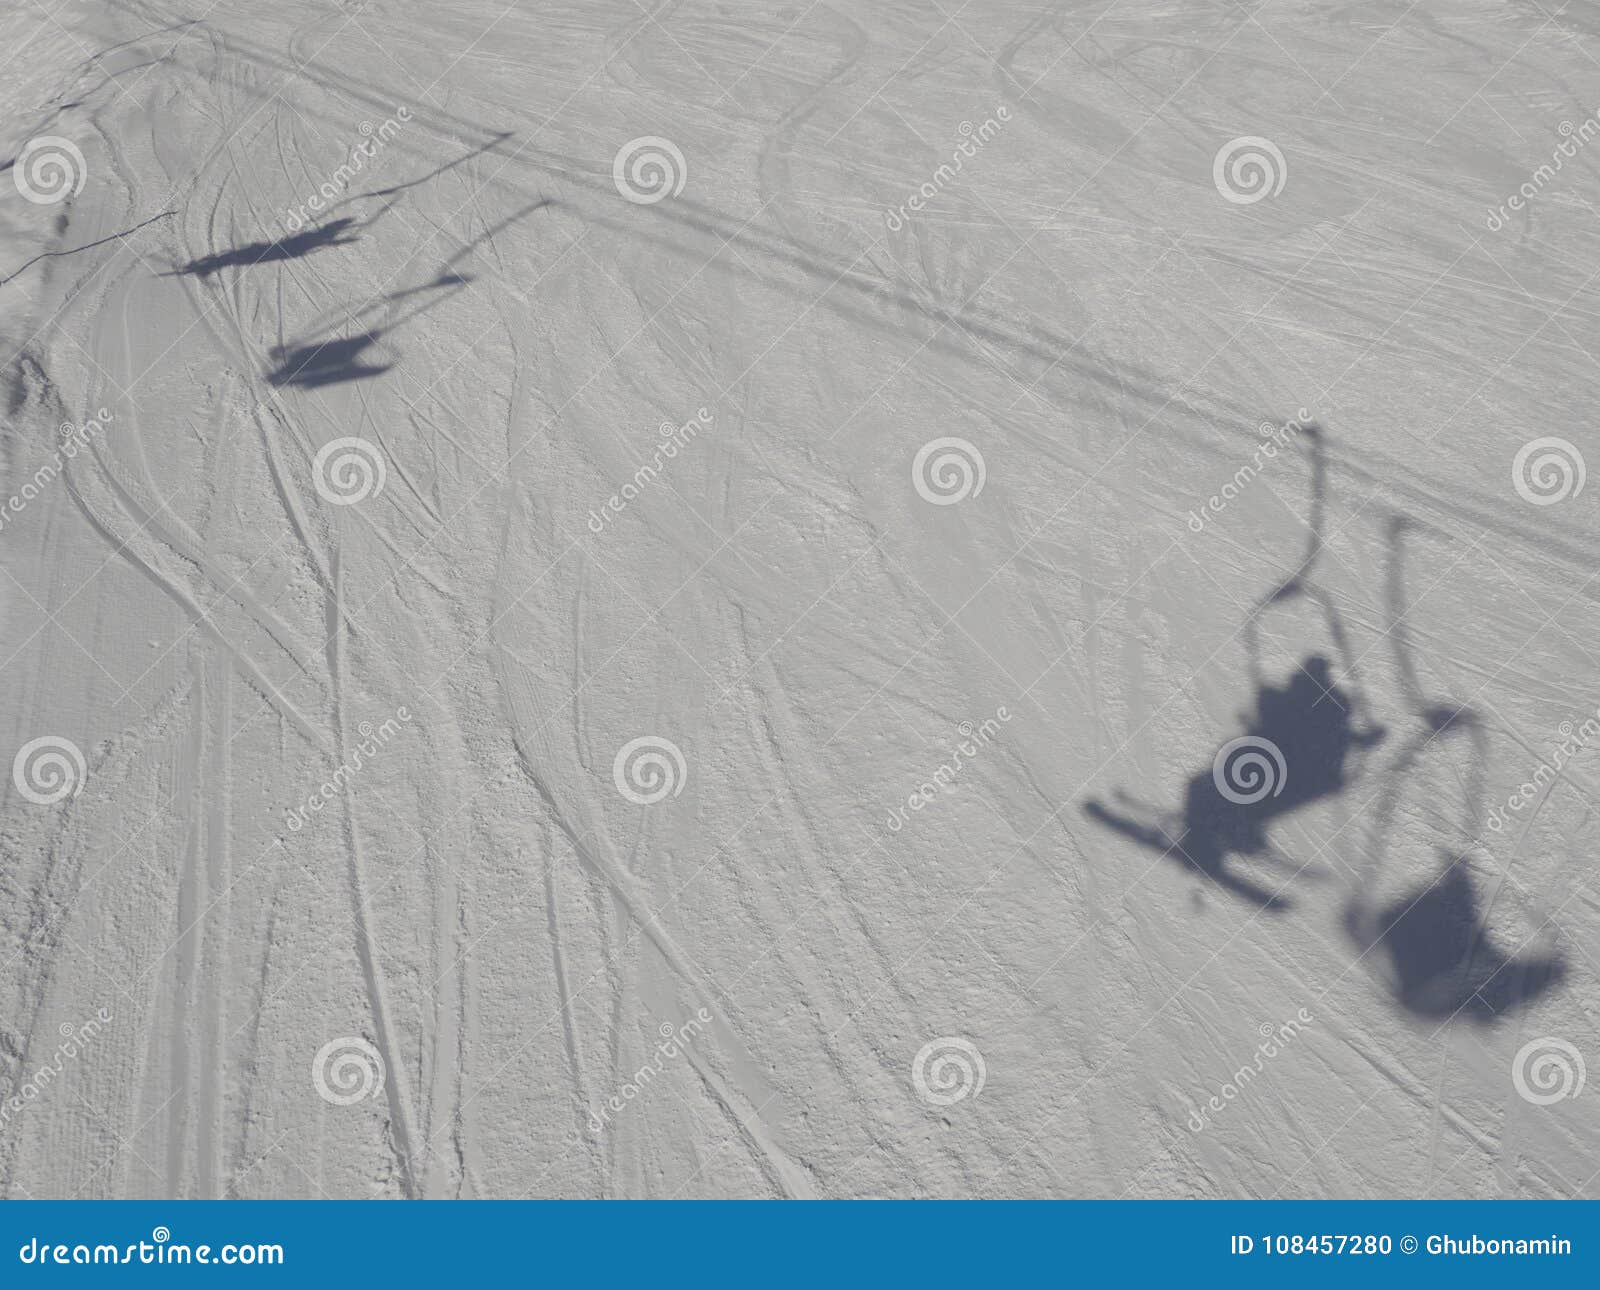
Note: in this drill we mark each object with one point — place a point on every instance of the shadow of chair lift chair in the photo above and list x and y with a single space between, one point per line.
1295 749
1431 945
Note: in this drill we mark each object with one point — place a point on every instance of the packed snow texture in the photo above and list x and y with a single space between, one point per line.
819 600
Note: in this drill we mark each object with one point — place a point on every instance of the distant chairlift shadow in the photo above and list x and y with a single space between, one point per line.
328 362
293 247
312 364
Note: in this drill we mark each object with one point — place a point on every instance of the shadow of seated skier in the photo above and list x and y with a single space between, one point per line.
1292 753
293 247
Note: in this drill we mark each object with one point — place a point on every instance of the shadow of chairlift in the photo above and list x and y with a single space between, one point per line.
1295 748
1431 945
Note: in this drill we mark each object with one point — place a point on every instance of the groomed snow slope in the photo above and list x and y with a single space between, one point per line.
357 599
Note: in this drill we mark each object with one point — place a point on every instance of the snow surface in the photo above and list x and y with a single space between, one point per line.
922 882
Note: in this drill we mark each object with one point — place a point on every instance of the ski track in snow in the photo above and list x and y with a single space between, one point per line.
352 866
